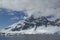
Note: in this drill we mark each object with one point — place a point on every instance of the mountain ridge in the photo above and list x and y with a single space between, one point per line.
34 26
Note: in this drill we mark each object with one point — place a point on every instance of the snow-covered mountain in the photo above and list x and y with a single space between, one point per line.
33 25
43 16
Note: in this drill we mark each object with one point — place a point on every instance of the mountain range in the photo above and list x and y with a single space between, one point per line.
32 25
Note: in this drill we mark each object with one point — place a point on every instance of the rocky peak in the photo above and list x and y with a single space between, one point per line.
36 22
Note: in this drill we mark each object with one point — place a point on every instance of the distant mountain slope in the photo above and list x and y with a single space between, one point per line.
33 25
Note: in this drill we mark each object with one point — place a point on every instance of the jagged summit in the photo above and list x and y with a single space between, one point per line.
33 25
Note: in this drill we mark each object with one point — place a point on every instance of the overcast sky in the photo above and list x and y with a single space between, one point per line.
45 7
35 7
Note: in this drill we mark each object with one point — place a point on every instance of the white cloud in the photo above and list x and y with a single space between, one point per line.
10 13
36 7
15 18
43 7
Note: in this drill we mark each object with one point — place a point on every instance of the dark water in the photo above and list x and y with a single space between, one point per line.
31 37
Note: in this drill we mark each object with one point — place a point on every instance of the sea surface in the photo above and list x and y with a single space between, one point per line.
31 37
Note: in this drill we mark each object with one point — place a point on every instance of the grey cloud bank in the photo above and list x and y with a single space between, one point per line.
42 7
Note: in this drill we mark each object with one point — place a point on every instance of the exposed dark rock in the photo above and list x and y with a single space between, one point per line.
37 22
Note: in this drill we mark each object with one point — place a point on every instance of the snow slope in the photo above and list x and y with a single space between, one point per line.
37 8
21 28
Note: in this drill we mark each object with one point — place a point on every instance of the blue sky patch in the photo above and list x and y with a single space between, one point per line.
8 17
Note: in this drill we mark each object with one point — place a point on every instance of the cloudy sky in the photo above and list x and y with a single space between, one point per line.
35 7
8 17
46 7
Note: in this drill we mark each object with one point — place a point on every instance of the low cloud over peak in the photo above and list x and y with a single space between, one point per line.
43 7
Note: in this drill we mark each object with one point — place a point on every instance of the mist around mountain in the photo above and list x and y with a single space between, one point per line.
34 25
43 16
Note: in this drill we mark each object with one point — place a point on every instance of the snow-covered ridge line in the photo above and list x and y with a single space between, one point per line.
33 25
